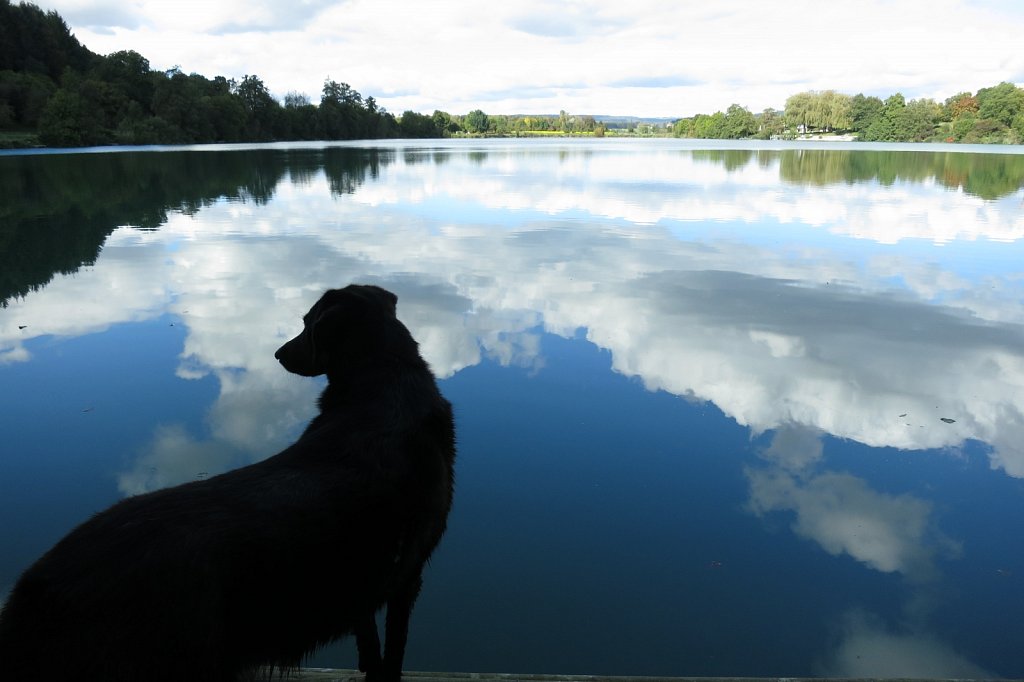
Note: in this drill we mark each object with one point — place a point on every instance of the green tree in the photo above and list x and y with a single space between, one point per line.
342 114
260 106
475 121
564 123
176 102
711 127
835 111
981 131
33 41
771 123
498 125
585 124
1001 103
888 125
683 128
413 125
227 114
129 72
296 100
739 123
340 93
24 95
864 111
1017 126
67 121
798 111
445 124
916 121
300 116
963 127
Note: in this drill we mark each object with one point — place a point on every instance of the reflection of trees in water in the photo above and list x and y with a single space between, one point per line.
348 169
988 176
731 159
57 210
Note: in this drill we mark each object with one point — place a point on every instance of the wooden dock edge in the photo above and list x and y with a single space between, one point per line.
336 675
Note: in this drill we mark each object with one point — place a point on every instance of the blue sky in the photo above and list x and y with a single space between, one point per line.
644 57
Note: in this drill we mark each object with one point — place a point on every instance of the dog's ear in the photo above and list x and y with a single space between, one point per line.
351 321
328 329
387 299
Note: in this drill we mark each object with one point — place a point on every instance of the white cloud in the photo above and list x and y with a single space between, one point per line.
840 512
456 58
102 17
794 448
12 351
173 457
889 533
869 650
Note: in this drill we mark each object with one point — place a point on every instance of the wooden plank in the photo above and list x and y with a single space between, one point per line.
337 675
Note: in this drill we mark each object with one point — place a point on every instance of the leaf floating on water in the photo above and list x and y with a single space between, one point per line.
948 420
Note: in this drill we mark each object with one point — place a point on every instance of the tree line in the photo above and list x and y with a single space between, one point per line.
54 91
991 115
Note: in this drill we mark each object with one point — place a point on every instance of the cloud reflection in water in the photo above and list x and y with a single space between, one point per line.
771 333
805 310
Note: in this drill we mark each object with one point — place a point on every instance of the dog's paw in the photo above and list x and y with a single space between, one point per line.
379 676
382 674
371 665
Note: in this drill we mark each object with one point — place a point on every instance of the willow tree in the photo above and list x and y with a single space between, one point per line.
798 110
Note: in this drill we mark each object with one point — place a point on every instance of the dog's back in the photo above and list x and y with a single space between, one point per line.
261 565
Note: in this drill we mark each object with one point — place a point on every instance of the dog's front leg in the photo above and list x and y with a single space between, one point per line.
396 630
368 645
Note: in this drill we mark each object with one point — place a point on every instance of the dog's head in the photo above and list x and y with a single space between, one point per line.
342 325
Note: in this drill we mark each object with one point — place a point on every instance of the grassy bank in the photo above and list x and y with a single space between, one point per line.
18 140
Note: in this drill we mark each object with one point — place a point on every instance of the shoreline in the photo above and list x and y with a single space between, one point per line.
826 138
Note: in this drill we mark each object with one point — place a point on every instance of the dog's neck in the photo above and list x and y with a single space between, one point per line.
352 384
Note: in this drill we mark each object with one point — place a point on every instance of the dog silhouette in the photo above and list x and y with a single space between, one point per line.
260 566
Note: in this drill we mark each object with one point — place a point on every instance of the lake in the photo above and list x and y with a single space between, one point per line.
724 409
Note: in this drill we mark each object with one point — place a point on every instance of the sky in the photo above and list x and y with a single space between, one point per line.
658 58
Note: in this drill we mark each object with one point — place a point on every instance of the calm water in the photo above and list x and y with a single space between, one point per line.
722 411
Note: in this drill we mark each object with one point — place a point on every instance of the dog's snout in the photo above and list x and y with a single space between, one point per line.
297 357
285 353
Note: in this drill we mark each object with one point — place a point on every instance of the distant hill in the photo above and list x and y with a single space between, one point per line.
633 121
611 121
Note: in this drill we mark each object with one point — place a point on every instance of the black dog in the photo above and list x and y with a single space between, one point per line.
214 579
